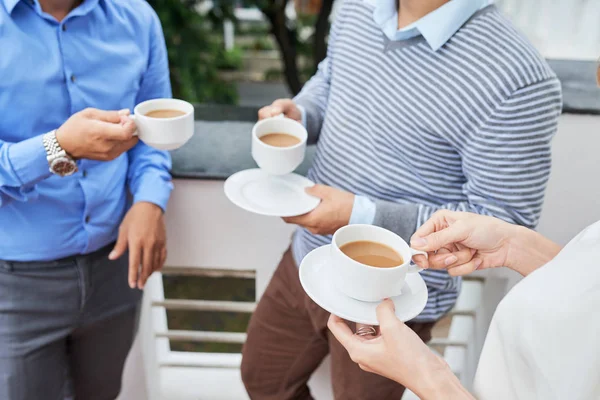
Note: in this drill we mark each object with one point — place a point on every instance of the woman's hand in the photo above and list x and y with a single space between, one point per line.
463 242
399 354
468 242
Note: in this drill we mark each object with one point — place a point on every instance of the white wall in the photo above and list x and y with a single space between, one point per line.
573 195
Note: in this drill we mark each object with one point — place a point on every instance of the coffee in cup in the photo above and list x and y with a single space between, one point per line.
370 263
372 254
278 145
164 113
165 124
279 139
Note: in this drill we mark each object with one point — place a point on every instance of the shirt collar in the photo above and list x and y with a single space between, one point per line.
81 10
10 5
437 27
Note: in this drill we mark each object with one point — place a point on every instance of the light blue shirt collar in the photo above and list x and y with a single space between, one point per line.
10 5
82 9
437 27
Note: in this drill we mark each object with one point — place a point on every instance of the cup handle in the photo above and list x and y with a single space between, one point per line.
414 267
132 117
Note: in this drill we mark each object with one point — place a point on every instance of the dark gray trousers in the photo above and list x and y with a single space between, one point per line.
66 327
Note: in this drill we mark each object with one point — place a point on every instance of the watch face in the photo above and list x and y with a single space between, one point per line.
63 166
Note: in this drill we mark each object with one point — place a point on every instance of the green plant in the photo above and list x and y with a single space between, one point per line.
261 43
193 52
291 46
230 60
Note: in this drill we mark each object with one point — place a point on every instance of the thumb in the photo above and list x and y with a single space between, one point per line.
120 246
317 190
437 240
386 315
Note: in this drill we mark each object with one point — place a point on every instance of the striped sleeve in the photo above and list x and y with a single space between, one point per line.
507 161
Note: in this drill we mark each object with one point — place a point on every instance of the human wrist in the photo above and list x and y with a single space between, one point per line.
528 250
150 207
64 141
439 382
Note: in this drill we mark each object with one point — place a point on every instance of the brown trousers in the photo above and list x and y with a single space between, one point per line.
288 339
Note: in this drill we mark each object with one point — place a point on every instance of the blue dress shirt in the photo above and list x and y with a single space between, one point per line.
106 54
437 28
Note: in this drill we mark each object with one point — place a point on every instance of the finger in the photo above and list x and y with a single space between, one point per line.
163 258
124 112
283 106
367 331
157 262
466 268
437 222
147 266
101 115
449 260
120 246
421 261
342 332
302 220
135 255
437 240
265 112
386 315
129 126
320 191
115 131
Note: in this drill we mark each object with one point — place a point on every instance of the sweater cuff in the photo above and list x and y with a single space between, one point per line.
398 218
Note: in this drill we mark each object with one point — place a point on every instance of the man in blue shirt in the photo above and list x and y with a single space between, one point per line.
68 294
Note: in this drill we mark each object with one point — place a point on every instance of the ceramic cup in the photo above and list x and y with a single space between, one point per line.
361 281
164 133
278 160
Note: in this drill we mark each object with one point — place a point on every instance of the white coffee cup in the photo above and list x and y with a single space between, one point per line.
164 133
278 160
364 282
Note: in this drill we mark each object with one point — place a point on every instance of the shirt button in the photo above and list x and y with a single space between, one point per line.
73 79
84 174
64 27
87 219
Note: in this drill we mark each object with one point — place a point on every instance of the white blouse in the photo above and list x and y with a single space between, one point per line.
544 339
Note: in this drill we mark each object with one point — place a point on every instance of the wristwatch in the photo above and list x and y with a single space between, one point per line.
60 162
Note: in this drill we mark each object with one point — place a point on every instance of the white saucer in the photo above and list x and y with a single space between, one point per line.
279 196
317 281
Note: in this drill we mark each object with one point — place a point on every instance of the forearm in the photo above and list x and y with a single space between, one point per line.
529 250
445 386
148 176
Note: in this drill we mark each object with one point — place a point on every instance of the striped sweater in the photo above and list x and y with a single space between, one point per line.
467 127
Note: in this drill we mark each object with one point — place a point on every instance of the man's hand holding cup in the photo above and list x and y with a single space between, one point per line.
97 135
